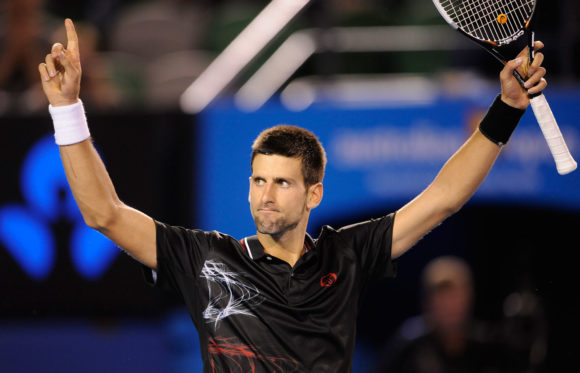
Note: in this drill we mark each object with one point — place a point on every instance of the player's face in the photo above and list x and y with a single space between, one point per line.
279 199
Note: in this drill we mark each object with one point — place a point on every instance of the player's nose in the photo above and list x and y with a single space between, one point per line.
268 194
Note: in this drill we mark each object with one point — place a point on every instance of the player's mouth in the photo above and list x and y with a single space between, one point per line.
265 210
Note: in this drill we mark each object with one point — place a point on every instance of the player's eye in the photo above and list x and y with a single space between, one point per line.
258 181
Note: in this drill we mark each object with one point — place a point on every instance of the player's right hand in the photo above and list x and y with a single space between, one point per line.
61 72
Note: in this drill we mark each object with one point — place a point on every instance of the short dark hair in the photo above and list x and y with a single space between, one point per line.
293 142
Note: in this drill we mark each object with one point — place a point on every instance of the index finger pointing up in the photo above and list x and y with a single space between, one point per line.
71 36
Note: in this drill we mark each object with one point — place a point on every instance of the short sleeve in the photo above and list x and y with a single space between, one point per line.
371 240
180 255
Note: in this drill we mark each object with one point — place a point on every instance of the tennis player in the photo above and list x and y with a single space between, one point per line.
278 301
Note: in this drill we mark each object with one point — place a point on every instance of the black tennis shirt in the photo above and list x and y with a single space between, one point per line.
255 313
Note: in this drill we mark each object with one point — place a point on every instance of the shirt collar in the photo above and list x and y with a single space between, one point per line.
255 250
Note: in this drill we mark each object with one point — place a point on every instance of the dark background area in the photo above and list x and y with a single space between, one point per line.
151 163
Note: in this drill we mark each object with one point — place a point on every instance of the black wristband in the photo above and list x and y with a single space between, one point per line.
500 121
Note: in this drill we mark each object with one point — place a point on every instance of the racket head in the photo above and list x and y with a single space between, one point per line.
500 26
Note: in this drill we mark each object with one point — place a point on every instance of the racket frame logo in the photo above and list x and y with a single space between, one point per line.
512 38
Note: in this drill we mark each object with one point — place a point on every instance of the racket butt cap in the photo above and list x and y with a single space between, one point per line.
567 168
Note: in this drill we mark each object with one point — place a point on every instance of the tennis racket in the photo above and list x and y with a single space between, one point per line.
502 27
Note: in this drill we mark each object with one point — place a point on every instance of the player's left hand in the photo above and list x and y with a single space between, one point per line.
61 72
512 92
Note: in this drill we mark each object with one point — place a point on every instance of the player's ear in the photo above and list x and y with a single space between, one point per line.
314 197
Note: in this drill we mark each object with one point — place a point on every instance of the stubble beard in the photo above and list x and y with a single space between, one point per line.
277 227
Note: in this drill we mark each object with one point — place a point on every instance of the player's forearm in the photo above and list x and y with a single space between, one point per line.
85 171
90 183
468 167
464 172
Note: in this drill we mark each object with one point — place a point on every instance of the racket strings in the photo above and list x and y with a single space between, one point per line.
481 18
487 22
515 17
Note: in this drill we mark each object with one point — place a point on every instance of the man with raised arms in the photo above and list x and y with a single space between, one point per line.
279 301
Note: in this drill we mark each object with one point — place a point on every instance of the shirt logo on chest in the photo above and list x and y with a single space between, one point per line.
328 280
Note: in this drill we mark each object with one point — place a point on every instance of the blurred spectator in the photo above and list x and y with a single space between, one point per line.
445 339
21 46
22 49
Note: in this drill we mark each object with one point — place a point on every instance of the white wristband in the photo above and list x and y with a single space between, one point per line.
70 123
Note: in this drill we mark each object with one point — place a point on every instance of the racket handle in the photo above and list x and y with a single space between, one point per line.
564 161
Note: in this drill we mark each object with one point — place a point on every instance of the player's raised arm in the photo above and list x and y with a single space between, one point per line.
87 176
467 168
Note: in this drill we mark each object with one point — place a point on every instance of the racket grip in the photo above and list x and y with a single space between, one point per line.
564 161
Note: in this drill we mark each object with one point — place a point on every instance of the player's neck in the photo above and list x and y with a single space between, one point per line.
289 247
